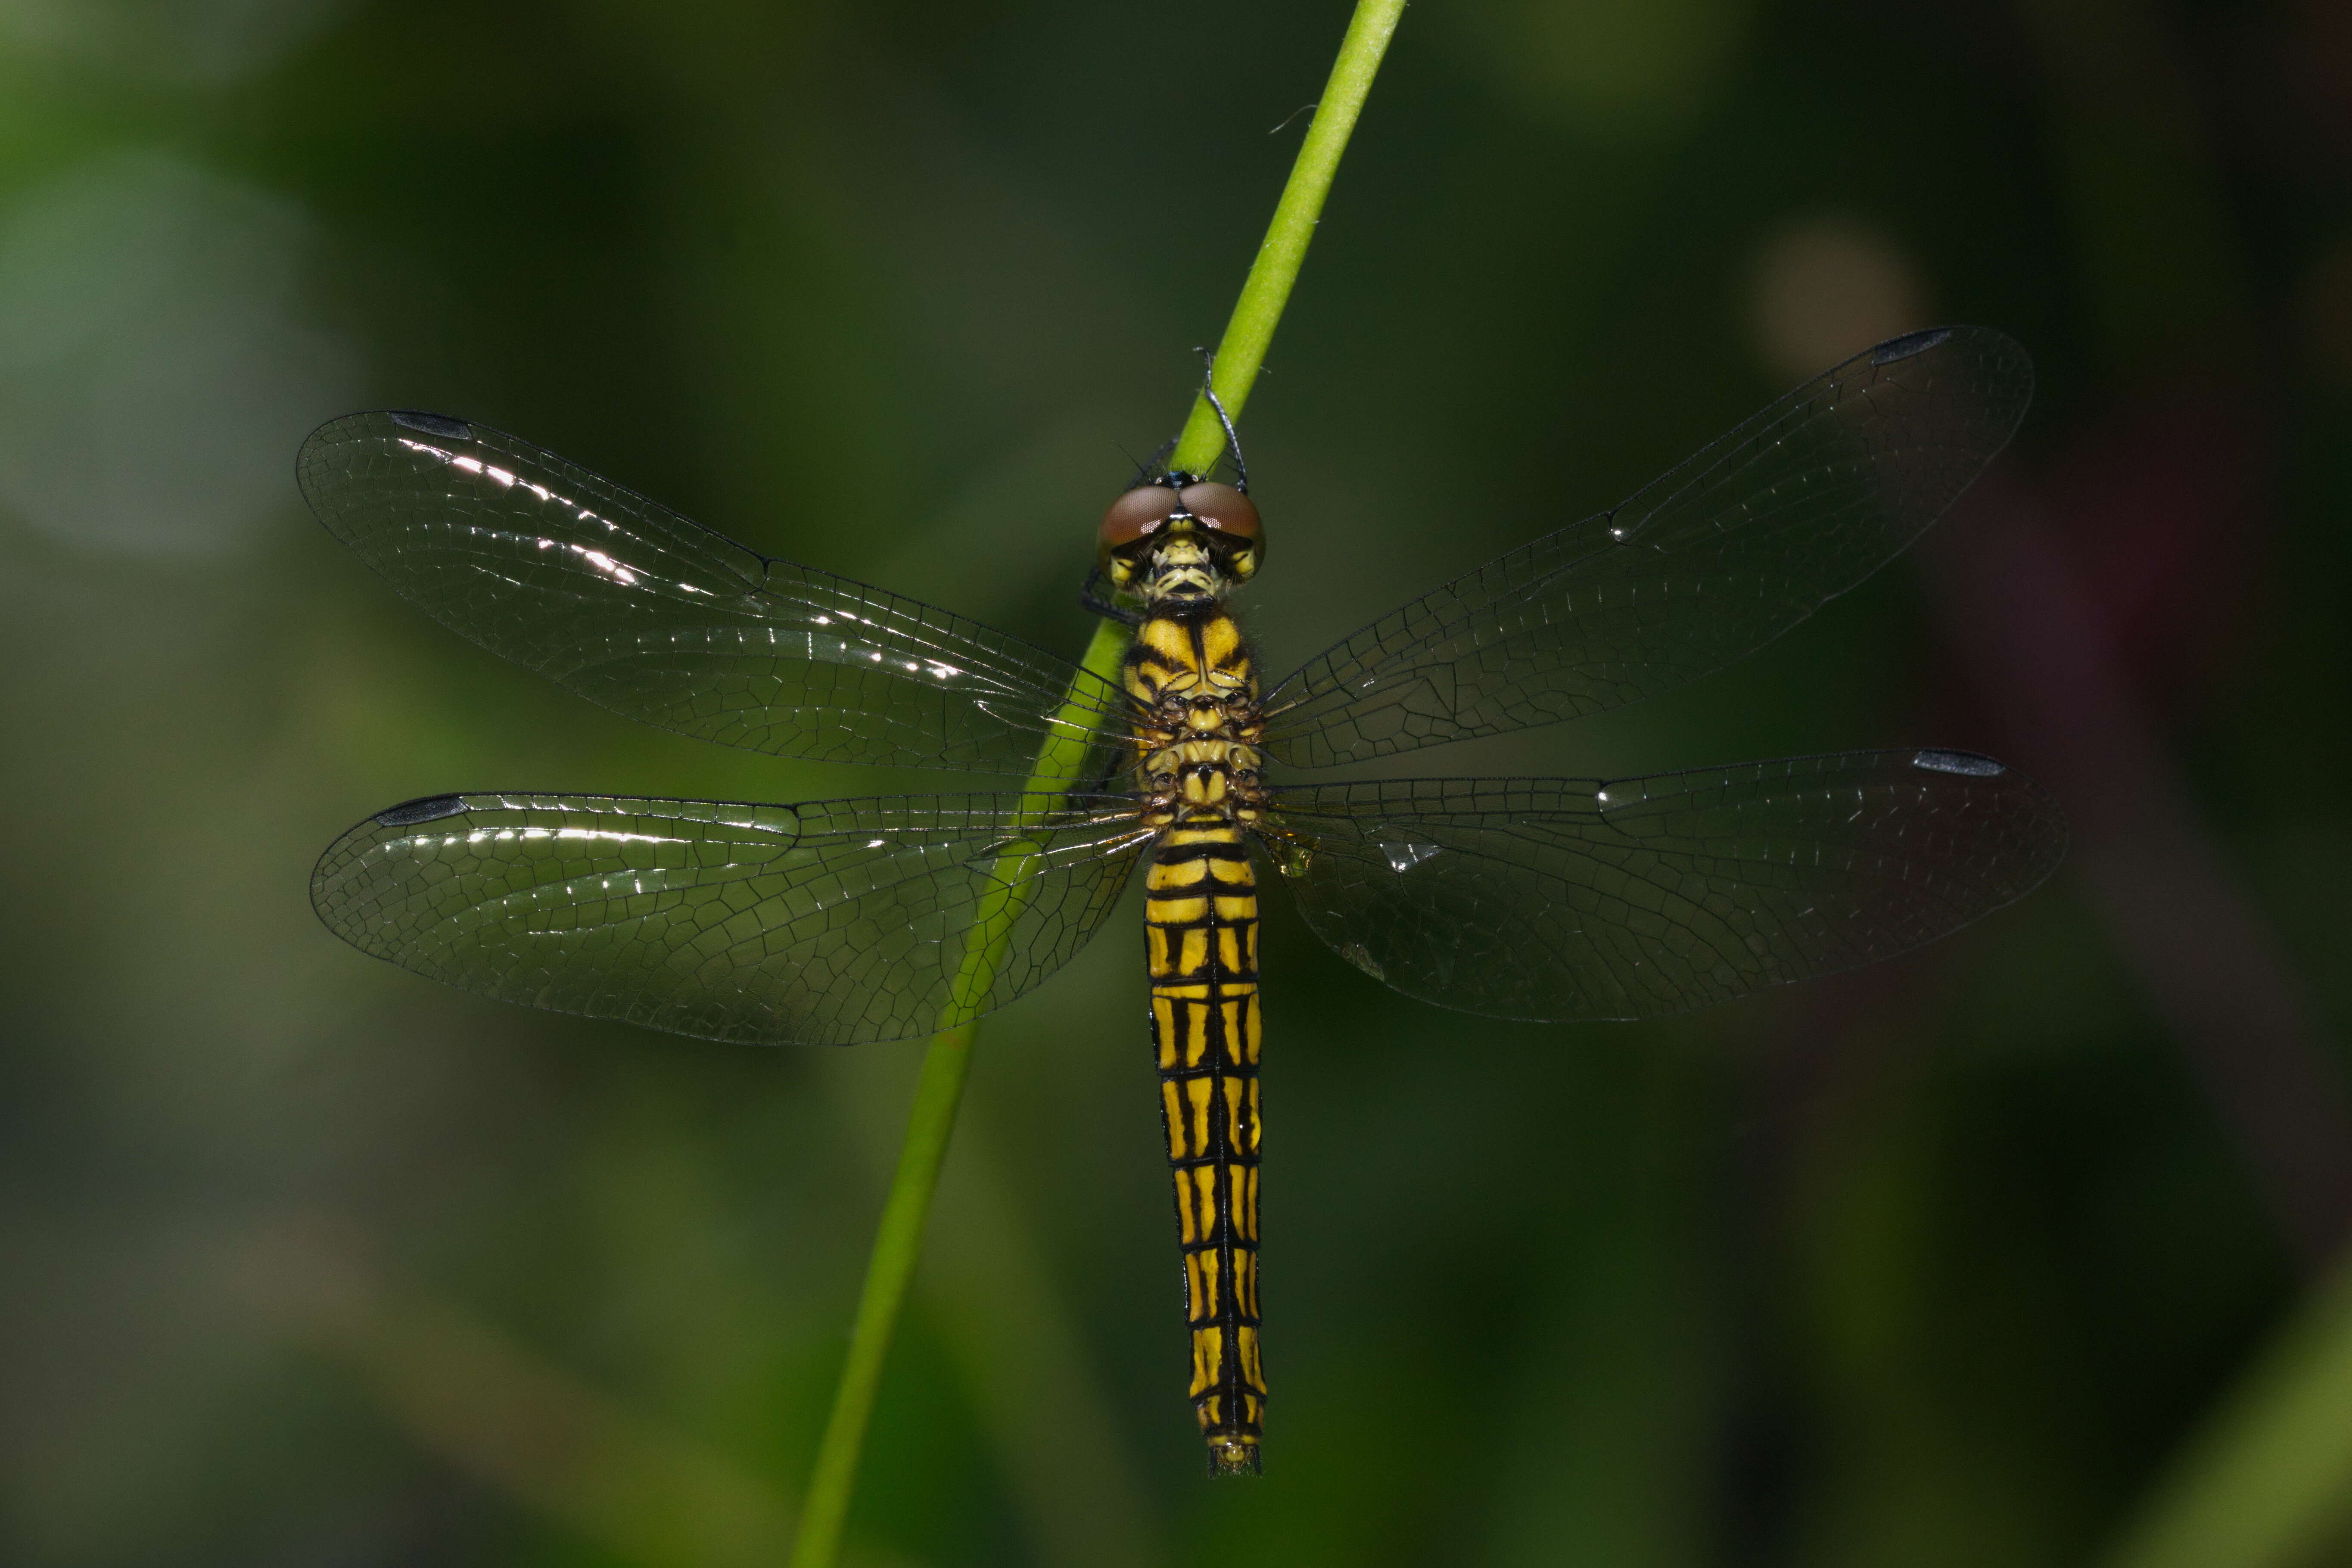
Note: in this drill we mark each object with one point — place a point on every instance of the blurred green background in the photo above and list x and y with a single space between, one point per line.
304 1261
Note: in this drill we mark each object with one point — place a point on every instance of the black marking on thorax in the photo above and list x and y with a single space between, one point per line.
1185 654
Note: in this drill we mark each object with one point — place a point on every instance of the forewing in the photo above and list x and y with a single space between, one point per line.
1711 560
830 923
652 615
1558 898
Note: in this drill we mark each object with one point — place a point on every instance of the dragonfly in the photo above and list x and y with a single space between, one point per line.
844 922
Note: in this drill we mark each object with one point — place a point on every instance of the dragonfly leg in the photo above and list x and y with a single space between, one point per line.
1100 604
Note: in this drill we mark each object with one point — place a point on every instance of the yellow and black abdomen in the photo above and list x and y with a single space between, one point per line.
1201 936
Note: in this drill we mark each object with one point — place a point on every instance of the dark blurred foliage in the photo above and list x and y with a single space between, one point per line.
303 1260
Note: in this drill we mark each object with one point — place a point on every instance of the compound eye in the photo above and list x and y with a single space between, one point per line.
1138 512
1226 509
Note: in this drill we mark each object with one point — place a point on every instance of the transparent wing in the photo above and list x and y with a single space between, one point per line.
657 617
1709 563
1556 899
831 922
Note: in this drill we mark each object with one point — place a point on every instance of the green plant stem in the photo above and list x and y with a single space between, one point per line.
948 1056
896 1242
938 1093
1266 290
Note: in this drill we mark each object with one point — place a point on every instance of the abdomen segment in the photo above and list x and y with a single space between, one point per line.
1201 936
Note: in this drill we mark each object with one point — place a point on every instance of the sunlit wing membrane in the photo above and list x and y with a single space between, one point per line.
831 922
1561 899
1712 560
652 615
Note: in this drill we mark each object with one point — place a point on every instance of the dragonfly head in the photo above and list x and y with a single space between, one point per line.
1180 536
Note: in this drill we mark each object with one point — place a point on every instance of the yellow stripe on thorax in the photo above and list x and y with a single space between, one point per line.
1189 656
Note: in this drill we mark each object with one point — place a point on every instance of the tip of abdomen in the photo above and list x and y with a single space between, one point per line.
1234 1456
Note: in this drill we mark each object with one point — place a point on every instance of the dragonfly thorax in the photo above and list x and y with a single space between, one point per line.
1197 723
